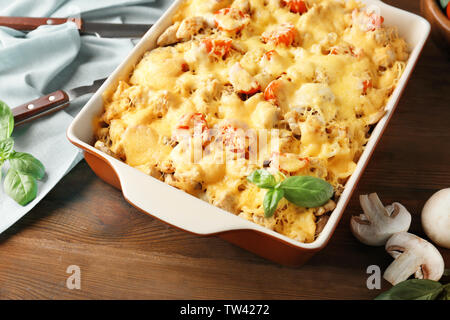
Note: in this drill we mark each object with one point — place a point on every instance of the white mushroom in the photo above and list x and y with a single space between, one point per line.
413 255
378 223
436 218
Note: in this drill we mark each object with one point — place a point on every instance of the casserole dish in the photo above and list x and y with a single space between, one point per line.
164 202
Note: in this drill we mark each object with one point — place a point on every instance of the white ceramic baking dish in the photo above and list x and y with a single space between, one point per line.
188 213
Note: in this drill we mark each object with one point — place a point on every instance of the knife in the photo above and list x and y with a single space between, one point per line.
107 30
51 103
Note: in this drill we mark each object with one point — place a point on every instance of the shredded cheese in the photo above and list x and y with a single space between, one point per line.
319 79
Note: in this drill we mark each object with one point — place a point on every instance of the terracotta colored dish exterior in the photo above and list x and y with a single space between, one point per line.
440 23
188 213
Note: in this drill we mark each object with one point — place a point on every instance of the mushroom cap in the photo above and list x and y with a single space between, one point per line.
379 223
436 218
413 255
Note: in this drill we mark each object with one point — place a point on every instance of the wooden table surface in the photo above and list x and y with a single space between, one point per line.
124 254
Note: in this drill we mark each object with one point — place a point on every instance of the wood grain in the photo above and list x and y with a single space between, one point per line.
31 23
124 254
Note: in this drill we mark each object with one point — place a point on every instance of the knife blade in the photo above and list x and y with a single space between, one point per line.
107 30
115 30
51 103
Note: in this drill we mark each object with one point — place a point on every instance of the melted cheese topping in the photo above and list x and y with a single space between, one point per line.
321 78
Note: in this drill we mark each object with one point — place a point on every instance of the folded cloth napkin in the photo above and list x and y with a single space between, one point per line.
57 57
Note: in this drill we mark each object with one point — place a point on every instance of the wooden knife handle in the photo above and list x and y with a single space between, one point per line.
41 106
27 23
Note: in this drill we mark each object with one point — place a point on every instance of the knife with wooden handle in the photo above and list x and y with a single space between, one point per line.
51 103
107 30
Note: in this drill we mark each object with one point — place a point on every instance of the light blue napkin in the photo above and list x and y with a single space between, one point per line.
52 58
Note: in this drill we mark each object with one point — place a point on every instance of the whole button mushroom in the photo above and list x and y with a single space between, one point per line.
413 255
379 223
436 218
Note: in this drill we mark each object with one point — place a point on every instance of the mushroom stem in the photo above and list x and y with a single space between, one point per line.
373 207
413 255
379 223
402 268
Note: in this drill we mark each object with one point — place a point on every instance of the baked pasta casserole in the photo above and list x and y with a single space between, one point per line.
313 75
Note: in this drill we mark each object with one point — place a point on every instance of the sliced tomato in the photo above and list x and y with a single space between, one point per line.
283 34
376 21
217 47
367 21
367 84
191 124
271 92
448 11
296 6
189 120
231 20
184 67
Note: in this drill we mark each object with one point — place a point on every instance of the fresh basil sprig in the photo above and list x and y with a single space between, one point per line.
24 170
262 179
303 191
417 289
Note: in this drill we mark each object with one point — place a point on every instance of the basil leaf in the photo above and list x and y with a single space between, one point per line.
262 178
6 121
27 164
414 289
444 3
21 187
446 292
271 200
6 148
307 191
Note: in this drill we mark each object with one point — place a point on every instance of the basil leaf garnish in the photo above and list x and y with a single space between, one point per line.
307 191
271 200
444 3
6 148
6 121
21 187
27 164
413 289
262 178
303 191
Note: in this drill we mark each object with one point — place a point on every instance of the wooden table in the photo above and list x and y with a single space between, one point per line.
124 254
